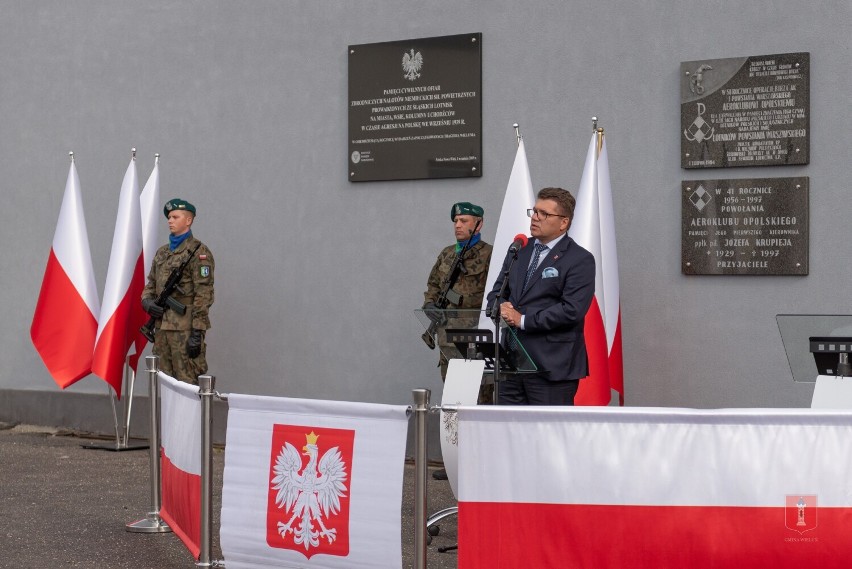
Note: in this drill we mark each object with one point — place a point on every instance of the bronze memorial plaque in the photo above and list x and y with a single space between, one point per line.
744 227
415 109
746 111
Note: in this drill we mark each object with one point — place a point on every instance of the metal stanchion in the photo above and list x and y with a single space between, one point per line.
206 384
421 410
153 523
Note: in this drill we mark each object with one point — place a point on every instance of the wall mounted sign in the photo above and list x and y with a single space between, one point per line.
744 227
415 109
747 111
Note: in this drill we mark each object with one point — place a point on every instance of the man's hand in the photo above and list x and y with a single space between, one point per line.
193 345
510 315
152 308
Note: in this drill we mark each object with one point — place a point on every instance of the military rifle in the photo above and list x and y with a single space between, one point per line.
165 300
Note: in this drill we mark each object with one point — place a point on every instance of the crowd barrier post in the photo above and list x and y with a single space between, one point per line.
153 523
207 390
421 411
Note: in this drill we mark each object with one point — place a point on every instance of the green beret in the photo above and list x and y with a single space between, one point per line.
178 203
465 208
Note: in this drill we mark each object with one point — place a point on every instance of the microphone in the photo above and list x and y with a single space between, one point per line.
519 243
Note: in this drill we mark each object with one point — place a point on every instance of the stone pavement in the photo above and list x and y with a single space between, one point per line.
66 506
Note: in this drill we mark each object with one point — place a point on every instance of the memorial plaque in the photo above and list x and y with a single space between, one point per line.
749 111
744 227
415 109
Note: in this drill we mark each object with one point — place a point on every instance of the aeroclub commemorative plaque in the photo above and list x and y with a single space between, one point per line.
744 227
415 109
746 111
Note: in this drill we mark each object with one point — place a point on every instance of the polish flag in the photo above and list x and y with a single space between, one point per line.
180 464
122 314
593 228
646 488
152 216
312 484
513 218
66 314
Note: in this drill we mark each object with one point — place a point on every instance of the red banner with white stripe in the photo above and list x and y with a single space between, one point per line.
593 228
180 426
66 315
651 488
121 312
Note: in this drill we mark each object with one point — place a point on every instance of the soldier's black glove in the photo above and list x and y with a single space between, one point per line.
431 310
193 345
152 308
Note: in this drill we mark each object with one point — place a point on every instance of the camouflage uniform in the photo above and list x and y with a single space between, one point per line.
195 290
472 288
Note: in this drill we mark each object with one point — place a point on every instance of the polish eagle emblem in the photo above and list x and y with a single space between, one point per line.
312 495
412 63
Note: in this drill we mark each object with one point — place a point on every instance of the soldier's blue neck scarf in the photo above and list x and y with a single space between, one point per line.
473 241
176 240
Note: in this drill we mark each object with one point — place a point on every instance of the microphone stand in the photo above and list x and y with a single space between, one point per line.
495 316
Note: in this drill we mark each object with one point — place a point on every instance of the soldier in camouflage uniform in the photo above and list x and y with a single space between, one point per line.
467 219
179 339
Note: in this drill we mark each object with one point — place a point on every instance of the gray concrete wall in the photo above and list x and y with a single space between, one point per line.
316 277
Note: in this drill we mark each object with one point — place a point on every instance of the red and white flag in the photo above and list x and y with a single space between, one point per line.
65 321
593 228
180 425
152 217
646 488
121 310
312 484
513 216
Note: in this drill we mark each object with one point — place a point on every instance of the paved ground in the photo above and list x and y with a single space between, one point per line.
62 505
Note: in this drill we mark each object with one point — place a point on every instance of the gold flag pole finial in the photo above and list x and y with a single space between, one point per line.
71 155
517 132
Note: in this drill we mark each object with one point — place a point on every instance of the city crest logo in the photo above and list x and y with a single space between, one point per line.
800 513
308 491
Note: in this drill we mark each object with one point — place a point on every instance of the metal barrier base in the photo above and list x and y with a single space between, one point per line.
117 447
151 524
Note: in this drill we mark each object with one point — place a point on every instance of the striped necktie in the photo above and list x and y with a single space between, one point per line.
534 265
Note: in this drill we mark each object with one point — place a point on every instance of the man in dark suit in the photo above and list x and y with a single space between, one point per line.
550 288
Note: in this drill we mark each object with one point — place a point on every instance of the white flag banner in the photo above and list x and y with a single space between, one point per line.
180 426
311 483
513 218
152 212
647 488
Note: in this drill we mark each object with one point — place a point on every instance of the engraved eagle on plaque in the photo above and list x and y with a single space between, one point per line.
311 495
412 63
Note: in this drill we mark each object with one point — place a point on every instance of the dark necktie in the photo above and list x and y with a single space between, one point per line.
534 265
